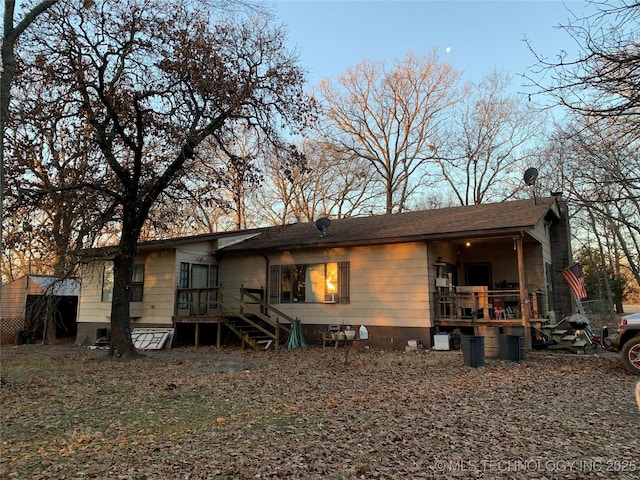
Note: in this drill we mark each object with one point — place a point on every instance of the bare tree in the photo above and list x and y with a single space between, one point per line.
603 80
342 185
319 182
48 219
486 145
46 162
214 197
600 174
389 116
235 172
600 88
10 34
275 202
152 82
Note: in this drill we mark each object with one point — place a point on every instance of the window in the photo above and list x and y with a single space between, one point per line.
293 284
137 282
107 282
309 283
183 282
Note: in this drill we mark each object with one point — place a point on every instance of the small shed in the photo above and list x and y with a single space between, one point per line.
26 302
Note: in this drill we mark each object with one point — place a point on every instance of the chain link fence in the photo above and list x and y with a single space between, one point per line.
10 330
598 307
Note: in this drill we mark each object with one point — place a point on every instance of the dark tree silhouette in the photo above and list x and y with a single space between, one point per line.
151 81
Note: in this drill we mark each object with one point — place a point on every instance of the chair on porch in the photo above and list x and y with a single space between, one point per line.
498 310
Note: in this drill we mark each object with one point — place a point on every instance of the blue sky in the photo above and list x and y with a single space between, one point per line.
331 36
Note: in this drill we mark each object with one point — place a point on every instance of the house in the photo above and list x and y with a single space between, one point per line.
175 281
26 302
480 269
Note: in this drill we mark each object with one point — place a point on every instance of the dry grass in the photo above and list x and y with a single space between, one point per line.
68 413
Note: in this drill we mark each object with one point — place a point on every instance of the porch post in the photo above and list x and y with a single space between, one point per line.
524 298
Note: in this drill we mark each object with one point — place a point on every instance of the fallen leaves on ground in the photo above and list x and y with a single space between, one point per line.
69 413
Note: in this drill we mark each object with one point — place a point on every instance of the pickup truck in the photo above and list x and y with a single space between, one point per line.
626 341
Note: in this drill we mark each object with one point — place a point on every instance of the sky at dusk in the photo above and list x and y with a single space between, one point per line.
474 36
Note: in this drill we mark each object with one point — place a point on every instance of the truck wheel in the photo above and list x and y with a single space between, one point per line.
631 355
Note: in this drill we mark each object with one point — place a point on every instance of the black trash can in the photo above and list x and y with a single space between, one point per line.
472 350
512 347
20 337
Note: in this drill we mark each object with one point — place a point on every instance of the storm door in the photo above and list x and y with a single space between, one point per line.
199 279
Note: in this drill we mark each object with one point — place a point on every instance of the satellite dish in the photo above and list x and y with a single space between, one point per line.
530 176
322 224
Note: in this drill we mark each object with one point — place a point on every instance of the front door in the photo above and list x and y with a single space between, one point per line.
199 279
478 274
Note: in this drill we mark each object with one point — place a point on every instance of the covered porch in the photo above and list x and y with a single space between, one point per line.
487 282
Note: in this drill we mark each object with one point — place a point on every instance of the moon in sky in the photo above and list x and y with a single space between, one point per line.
448 50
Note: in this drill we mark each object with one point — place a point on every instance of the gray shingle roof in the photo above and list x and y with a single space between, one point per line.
455 222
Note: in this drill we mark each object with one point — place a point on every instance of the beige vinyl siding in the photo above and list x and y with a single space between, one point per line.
388 284
157 297
91 309
536 257
504 265
247 270
541 234
534 266
159 289
13 299
14 296
200 252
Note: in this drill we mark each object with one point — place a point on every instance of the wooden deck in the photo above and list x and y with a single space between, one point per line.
246 314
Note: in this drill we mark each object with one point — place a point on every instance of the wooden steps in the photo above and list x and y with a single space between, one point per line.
253 332
559 337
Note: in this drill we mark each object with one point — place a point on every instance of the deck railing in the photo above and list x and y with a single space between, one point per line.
467 303
198 302
210 301
247 315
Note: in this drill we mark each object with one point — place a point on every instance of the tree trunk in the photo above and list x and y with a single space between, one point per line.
49 336
121 342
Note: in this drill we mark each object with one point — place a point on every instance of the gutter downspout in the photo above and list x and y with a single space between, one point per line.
266 277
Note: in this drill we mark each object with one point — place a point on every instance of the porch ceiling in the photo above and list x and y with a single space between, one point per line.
499 240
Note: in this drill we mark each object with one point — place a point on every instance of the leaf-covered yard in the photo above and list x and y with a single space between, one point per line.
69 413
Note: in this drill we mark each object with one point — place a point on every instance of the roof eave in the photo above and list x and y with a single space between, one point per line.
498 232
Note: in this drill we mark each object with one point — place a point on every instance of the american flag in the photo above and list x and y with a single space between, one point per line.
575 279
